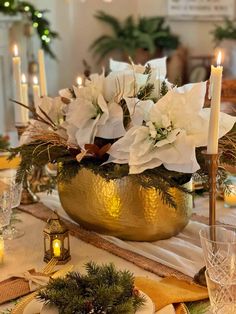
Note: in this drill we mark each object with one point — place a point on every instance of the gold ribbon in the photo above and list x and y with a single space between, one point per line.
35 281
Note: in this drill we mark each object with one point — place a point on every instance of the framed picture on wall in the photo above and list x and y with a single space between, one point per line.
201 9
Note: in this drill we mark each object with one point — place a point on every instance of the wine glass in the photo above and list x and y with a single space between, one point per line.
8 177
5 205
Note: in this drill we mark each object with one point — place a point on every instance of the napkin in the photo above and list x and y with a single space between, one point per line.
170 290
6 164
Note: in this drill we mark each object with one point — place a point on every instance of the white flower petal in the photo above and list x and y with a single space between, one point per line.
114 127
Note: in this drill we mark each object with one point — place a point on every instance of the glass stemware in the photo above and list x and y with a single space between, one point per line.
221 285
5 205
8 177
219 246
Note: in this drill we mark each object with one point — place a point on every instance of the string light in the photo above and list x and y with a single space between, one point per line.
35 16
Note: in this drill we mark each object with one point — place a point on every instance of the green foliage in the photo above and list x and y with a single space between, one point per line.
148 33
199 307
225 31
35 17
102 290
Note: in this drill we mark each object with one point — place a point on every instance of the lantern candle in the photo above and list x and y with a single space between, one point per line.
215 95
56 247
42 73
36 89
16 63
1 250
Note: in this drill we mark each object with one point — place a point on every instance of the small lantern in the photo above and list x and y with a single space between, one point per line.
56 240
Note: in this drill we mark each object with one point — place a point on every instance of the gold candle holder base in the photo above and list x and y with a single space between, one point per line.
212 161
27 196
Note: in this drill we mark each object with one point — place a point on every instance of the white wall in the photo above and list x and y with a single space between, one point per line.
78 28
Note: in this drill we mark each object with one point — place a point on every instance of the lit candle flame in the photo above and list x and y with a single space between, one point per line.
23 78
219 58
35 80
15 50
79 81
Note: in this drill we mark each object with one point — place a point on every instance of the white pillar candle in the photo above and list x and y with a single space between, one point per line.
42 73
25 99
36 90
215 94
16 62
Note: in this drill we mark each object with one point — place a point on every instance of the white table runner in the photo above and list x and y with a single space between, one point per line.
182 252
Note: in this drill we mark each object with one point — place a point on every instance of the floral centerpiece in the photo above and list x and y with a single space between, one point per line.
131 122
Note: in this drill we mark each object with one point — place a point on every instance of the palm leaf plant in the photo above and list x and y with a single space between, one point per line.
148 33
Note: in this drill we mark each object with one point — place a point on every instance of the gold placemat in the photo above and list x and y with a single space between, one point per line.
42 212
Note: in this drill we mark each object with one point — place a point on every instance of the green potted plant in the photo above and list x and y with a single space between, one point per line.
141 40
225 37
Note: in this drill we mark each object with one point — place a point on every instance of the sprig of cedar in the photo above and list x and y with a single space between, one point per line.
102 290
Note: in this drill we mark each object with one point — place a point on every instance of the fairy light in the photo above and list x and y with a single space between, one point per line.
46 32
6 4
27 8
35 24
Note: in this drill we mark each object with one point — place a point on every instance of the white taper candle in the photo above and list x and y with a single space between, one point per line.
215 94
42 73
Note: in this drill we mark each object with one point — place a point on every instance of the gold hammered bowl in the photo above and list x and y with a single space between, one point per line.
123 208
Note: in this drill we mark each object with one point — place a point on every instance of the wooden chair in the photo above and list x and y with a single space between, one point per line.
228 97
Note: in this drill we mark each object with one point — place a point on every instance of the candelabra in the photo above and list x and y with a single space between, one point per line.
27 196
212 161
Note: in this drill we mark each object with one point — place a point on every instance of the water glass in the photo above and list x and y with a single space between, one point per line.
219 246
8 177
221 287
5 204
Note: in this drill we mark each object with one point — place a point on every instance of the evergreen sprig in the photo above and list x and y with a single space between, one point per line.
102 290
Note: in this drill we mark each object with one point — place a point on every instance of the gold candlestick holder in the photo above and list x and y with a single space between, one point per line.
27 196
212 163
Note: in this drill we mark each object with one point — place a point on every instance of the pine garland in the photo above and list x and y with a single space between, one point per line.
36 17
102 290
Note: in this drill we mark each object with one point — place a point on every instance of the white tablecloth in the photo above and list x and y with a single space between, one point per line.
182 252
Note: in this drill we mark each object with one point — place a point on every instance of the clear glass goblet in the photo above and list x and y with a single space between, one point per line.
8 176
219 246
221 285
5 205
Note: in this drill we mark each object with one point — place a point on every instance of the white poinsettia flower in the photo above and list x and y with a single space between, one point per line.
51 109
122 84
125 80
176 125
138 109
157 64
66 93
89 115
